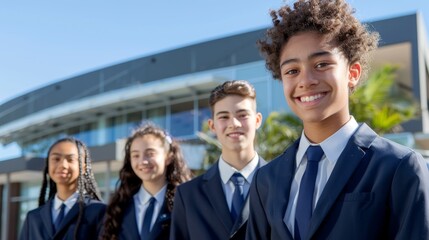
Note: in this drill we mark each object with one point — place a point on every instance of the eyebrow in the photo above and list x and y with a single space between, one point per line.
313 55
238 111
60 154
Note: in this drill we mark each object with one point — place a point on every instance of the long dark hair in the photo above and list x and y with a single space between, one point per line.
86 184
129 183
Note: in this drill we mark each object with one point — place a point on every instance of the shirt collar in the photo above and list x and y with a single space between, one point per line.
144 196
332 146
69 202
227 170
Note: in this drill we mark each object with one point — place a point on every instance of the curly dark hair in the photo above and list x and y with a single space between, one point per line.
177 172
86 184
332 18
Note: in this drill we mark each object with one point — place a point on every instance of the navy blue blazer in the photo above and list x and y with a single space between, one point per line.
201 211
160 229
38 224
377 190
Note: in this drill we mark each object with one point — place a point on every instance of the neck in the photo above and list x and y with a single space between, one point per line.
319 131
238 159
153 187
64 192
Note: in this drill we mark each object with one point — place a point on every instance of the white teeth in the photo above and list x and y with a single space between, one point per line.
310 98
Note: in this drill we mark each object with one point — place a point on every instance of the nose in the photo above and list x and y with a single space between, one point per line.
307 79
234 123
144 160
64 163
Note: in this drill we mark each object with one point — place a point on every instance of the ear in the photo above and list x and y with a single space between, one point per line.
355 71
211 125
258 120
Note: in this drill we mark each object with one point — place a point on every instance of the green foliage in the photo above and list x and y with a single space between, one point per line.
381 103
213 148
277 133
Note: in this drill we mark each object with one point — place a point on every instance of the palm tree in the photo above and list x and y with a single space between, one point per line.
277 132
381 103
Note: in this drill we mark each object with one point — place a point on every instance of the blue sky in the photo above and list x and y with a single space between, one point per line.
46 41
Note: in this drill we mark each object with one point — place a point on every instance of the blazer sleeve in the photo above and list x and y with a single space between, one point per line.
179 225
410 199
257 225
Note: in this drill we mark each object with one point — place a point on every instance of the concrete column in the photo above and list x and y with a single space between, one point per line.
5 208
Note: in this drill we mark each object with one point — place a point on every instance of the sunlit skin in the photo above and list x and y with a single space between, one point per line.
235 122
64 168
149 160
316 79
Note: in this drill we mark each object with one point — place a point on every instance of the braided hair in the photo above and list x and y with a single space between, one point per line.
86 184
129 183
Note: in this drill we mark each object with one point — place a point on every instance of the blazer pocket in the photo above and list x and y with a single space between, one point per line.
358 197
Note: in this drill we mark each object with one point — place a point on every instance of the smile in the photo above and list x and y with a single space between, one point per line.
310 98
234 134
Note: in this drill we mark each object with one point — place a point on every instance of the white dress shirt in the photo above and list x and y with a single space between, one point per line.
226 171
332 148
141 203
69 202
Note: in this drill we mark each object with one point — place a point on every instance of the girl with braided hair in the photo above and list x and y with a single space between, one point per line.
69 202
141 206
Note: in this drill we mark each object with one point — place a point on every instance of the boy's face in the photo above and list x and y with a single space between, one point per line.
316 79
235 122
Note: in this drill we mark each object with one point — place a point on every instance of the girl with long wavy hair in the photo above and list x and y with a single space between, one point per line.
141 206
69 201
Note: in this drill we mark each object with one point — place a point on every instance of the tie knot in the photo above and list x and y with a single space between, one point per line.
152 201
237 179
314 153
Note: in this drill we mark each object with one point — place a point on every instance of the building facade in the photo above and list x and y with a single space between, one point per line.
171 89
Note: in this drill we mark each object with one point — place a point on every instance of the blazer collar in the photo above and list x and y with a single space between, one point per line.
69 218
212 188
48 223
347 163
285 171
129 228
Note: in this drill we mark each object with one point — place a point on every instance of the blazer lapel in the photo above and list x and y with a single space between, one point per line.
245 212
129 224
163 218
285 172
212 187
68 219
343 170
46 215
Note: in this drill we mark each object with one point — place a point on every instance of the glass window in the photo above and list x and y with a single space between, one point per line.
204 112
88 134
29 200
277 97
262 97
182 119
254 70
157 116
133 120
116 128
